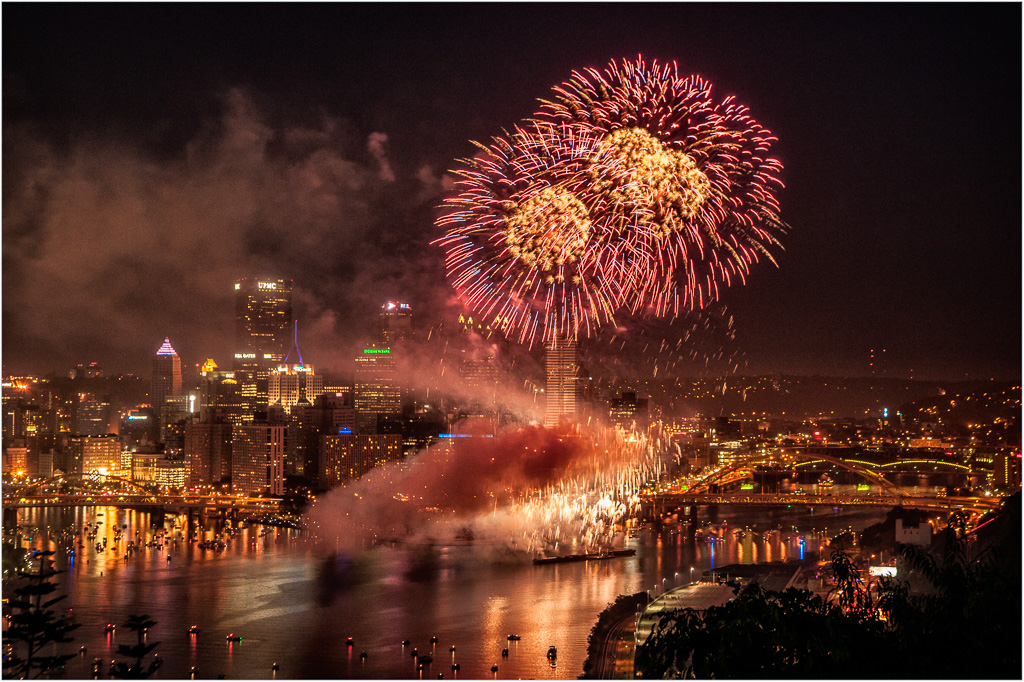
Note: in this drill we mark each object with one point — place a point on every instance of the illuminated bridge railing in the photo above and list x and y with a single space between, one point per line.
818 500
170 502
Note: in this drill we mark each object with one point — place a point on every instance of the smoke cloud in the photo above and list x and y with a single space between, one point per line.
526 490
109 247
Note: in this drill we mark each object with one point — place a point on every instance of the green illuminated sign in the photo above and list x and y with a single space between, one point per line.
376 350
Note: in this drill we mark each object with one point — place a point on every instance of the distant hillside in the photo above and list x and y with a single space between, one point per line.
799 397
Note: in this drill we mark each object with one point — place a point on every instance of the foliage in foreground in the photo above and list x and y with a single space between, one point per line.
34 626
623 606
136 668
967 625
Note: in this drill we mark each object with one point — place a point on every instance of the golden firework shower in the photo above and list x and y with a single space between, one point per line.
548 230
522 250
632 190
638 172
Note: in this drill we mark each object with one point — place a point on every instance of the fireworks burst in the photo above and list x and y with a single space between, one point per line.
632 189
524 489
521 246
692 175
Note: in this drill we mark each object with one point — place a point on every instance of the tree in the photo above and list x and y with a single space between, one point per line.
136 670
762 634
965 624
34 624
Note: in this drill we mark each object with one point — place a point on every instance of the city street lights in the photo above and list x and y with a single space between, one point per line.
691 575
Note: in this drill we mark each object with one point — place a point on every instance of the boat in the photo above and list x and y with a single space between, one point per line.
494 668
552 652
233 638
565 558
193 630
109 627
426 659
504 653
514 638
350 641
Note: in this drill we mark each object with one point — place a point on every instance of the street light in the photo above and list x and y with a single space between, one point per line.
691 575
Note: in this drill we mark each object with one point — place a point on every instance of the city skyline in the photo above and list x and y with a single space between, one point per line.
310 147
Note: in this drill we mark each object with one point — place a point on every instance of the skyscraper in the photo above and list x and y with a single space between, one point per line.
395 323
560 367
263 320
376 388
294 380
257 459
166 380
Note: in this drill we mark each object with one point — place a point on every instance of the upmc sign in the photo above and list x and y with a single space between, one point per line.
267 285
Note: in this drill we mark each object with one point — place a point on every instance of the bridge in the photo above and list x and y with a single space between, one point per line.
101 490
746 497
881 492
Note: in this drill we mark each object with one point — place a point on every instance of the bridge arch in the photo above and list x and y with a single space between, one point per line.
703 484
91 482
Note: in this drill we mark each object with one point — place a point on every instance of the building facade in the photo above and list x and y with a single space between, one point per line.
166 379
96 454
257 459
346 457
376 388
263 325
560 367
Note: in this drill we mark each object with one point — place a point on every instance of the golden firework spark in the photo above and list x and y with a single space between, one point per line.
635 169
548 229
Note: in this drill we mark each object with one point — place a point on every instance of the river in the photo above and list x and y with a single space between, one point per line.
293 607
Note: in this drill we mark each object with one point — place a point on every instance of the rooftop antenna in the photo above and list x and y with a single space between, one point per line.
295 346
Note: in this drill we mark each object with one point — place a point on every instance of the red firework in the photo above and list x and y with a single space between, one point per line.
633 189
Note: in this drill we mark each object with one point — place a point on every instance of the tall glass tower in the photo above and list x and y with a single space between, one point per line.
560 367
166 379
263 325
263 322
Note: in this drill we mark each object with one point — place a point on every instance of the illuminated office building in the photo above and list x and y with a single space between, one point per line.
560 368
263 321
395 323
294 380
376 390
257 458
95 454
346 457
220 396
93 416
208 452
166 380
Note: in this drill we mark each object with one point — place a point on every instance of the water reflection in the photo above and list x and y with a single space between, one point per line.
293 607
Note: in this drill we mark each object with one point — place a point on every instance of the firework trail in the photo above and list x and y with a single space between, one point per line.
527 489
690 176
632 189
521 248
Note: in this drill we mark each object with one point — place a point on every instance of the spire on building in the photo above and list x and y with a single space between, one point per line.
295 347
166 348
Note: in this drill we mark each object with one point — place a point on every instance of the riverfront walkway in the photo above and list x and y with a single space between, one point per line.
622 641
699 596
619 647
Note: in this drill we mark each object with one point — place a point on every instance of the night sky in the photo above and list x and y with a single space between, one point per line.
152 154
